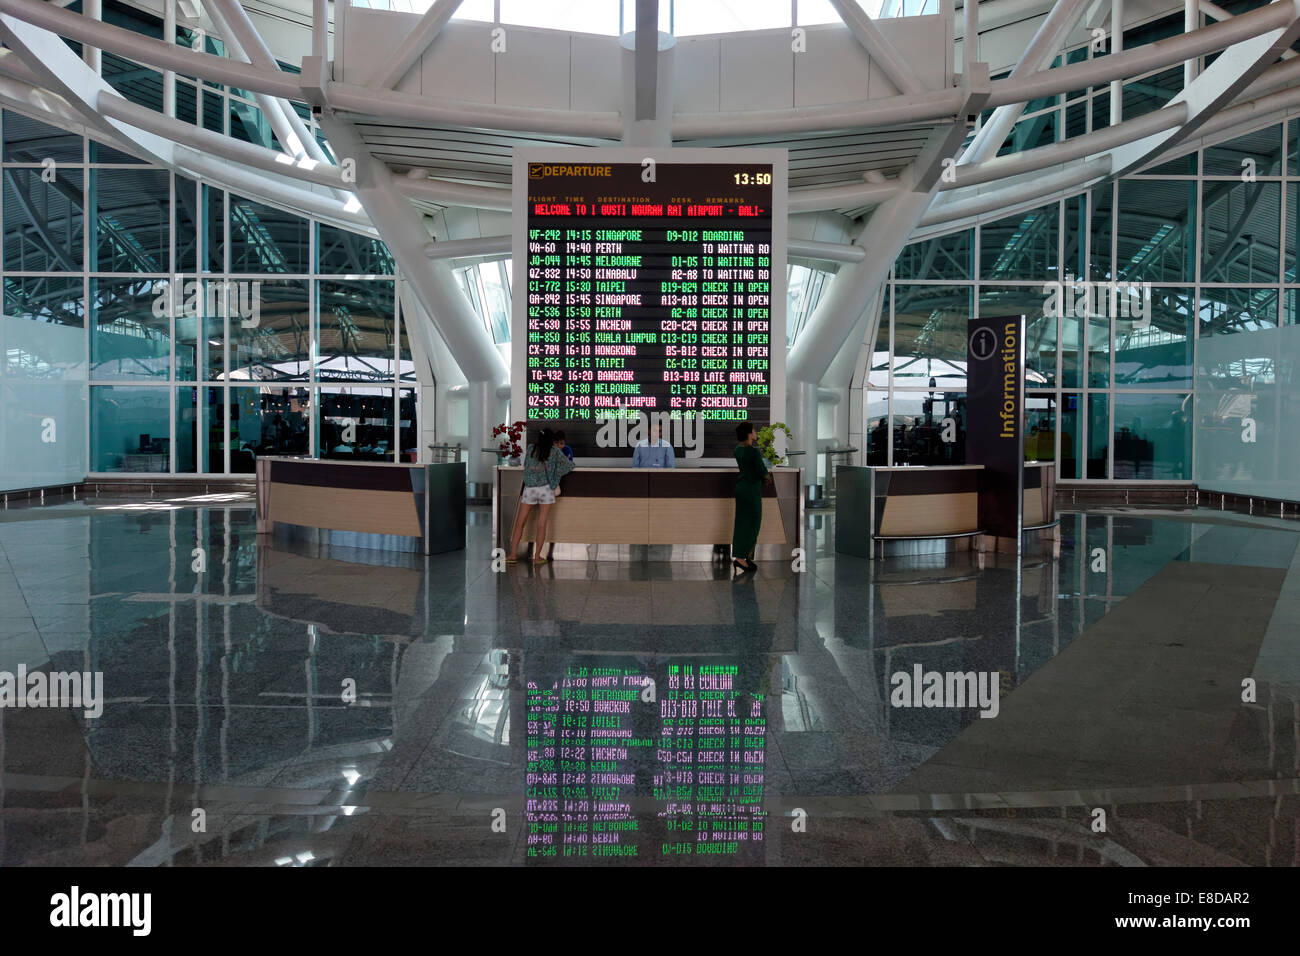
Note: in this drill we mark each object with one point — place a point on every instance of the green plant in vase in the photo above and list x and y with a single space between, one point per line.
765 439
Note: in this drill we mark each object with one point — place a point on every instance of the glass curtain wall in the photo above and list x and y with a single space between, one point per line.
1200 248
214 329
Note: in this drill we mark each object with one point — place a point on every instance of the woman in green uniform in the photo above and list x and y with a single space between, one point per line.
749 498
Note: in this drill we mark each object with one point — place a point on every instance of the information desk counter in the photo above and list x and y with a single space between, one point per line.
874 504
916 509
362 504
1040 495
680 513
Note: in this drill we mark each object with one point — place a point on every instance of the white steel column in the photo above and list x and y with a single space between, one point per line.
655 130
970 52
169 76
93 10
1116 46
320 29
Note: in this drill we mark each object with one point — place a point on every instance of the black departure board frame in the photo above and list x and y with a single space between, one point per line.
667 296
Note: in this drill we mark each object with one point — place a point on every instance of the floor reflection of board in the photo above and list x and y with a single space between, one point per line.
659 616
645 762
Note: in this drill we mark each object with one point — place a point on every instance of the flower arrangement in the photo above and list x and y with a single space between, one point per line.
508 439
766 442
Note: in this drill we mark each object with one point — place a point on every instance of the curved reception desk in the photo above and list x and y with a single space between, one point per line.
923 510
663 514
1040 495
354 504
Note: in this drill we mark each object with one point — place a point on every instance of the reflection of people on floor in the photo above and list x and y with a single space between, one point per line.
536 609
751 647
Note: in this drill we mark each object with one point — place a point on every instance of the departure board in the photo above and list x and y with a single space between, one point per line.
649 286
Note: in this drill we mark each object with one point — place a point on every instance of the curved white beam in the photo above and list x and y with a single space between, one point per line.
257 186
853 195
1225 125
60 70
1020 192
446 193
838 314
1215 88
1144 59
434 284
468 248
1076 147
1248 114
1276 77
151 52
825 251
818 198
1216 12
943 104
205 140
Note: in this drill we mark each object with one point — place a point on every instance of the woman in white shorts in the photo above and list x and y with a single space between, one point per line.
544 466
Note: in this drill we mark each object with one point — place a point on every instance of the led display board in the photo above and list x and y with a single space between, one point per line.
649 283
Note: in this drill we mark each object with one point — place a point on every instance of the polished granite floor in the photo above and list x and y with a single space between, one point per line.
359 708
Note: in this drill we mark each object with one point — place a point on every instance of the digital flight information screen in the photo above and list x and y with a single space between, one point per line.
649 283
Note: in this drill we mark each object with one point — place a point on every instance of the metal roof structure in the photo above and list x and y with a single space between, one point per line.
399 124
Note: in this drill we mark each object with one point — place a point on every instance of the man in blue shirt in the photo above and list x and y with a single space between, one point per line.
654 454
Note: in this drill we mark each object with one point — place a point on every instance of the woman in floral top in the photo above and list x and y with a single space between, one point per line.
544 466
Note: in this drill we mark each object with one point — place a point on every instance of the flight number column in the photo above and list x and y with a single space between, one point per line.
546 273
576 402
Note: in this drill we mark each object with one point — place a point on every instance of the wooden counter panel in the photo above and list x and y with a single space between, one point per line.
651 506
344 509
1033 508
914 516
706 521
591 521
647 521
